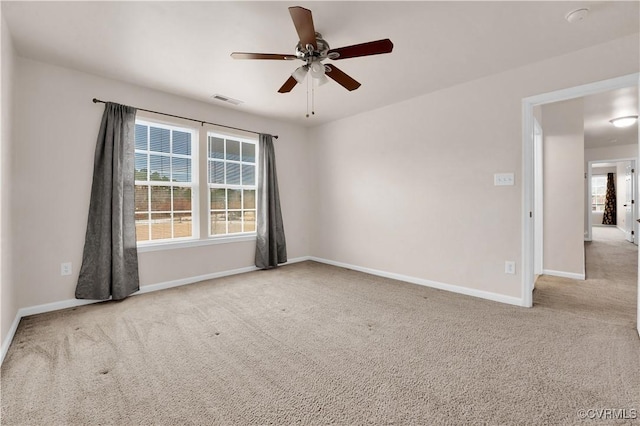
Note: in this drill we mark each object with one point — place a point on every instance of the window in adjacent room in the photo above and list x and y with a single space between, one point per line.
598 192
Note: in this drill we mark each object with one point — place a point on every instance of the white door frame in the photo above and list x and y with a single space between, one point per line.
634 208
538 200
528 176
634 211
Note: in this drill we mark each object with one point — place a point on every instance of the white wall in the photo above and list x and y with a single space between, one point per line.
564 183
610 153
408 188
596 218
56 126
8 298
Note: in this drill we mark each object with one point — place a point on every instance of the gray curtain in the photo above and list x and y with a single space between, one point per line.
110 258
271 246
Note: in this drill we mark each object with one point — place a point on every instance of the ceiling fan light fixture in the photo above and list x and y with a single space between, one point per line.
317 69
627 121
300 73
322 80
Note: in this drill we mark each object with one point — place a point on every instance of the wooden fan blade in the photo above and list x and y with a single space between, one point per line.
288 85
276 56
365 49
303 22
342 79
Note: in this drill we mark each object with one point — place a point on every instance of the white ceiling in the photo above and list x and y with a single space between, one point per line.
184 47
602 107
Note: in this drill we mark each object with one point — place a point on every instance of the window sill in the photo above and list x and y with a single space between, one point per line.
143 248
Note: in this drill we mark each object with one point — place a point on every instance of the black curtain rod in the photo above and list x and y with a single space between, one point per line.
202 122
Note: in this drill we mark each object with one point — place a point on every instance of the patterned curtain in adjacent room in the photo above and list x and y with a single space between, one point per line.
609 217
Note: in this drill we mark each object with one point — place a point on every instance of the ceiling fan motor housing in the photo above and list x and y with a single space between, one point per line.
312 55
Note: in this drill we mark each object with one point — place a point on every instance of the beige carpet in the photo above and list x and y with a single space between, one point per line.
315 344
609 293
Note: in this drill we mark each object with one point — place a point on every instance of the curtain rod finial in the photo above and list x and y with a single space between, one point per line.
95 100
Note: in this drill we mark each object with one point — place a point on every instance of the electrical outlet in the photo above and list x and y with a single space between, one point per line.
65 268
503 179
509 267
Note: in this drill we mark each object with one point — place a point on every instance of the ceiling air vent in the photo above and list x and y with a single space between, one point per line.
222 98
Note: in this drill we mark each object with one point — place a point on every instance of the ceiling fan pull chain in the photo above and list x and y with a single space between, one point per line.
313 100
308 97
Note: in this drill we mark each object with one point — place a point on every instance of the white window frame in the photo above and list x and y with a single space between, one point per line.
593 189
195 220
201 203
241 187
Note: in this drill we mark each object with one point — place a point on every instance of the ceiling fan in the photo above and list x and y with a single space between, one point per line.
312 49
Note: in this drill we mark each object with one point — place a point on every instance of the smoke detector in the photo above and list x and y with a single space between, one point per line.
577 15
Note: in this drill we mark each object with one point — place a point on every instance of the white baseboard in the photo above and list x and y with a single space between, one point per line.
428 283
191 280
298 259
7 340
72 303
562 274
627 235
55 306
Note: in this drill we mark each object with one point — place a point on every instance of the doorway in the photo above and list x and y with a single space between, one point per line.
624 171
529 175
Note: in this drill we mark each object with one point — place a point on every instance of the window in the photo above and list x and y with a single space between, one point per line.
598 192
231 170
164 187
168 189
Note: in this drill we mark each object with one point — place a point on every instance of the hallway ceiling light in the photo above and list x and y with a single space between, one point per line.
627 121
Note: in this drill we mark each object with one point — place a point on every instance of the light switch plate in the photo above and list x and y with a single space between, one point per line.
503 179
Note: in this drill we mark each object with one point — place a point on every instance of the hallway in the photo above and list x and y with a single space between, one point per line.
609 293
